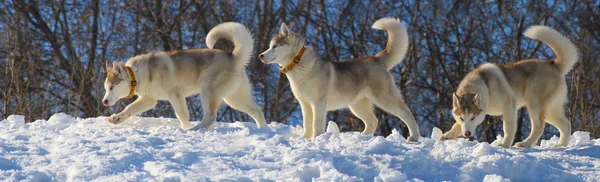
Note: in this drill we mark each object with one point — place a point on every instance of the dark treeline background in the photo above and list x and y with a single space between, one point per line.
52 53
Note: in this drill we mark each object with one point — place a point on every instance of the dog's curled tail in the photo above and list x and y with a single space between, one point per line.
237 33
566 52
397 44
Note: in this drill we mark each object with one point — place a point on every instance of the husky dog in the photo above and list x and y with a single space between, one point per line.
538 85
321 85
214 74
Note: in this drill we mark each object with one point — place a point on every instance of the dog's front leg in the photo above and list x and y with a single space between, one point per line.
143 103
307 118
453 133
509 117
319 109
181 110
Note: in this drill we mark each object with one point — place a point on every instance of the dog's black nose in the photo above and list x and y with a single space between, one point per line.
467 134
261 56
105 102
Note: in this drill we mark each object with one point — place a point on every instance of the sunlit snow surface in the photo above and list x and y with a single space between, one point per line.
64 148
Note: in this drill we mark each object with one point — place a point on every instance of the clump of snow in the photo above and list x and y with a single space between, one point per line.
499 139
59 121
390 175
396 136
482 149
64 148
549 143
581 138
494 178
332 127
16 121
436 133
578 138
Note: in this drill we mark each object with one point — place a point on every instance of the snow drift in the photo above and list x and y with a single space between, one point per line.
64 148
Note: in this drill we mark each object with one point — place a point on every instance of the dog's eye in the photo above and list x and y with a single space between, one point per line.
111 87
473 118
274 46
462 119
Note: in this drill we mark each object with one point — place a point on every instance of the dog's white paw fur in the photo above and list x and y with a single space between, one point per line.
307 136
186 127
446 137
501 144
117 118
558 145
412 138
523 145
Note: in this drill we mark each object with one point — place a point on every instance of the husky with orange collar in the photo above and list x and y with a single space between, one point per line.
321 85
215 74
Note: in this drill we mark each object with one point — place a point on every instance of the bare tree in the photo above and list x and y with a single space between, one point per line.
52 53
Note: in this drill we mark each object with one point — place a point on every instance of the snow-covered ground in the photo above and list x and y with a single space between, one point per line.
64 148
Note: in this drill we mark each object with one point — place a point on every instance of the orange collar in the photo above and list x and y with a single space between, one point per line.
294 62
133 82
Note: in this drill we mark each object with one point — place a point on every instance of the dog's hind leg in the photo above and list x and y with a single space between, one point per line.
242 100
363 109
556 116
179 104
392 102
536 115
211 101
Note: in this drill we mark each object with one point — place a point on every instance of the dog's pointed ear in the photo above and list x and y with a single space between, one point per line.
284 29
455 99
118 68
108 65
477 100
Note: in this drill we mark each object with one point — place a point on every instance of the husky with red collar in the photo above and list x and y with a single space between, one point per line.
215 74
321 85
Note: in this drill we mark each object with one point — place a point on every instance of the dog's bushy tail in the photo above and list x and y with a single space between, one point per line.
566 52
237 33
397 44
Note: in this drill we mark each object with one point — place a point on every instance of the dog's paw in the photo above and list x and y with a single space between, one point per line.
260 124
307 136
450 135
186 127
116 118
501 144
195 128
445 137
523 145
558 145
412 138
202 126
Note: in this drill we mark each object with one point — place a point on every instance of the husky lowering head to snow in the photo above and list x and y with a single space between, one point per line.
321 85
538 85
214 74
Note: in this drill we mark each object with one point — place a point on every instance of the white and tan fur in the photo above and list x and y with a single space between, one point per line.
321 85
538 85
215 74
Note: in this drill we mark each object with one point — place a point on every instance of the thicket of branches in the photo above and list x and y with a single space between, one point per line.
52 53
